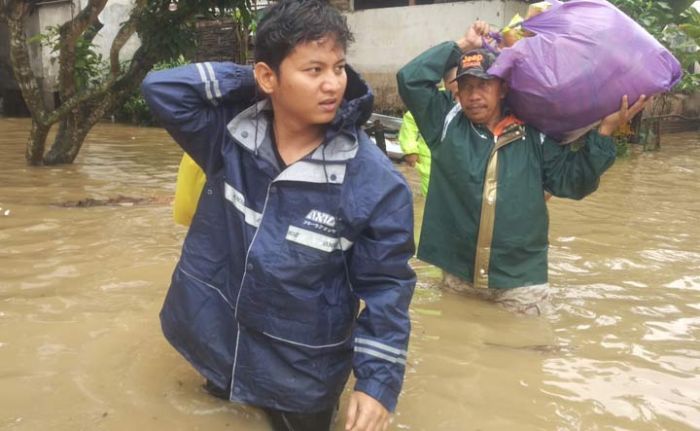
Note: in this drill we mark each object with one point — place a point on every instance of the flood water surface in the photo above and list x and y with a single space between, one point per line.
81 288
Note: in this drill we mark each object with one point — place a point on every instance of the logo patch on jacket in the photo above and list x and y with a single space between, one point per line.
320 221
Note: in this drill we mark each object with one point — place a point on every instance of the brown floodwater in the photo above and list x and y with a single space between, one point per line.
81 288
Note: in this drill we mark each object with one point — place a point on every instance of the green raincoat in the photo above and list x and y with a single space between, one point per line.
500 241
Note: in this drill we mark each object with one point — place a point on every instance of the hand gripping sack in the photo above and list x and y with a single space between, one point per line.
585 55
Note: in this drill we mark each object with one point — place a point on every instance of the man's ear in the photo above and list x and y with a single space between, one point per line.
504 89
265 77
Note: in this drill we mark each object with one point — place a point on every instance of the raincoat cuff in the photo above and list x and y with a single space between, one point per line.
600 141
379 391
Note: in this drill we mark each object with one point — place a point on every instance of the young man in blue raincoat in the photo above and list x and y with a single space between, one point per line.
300 218
485 222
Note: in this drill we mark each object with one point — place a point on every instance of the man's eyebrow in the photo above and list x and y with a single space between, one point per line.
320 62
313 62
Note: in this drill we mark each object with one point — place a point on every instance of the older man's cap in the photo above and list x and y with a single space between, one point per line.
476 63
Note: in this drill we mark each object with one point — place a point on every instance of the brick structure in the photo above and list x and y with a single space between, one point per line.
343 5
217 40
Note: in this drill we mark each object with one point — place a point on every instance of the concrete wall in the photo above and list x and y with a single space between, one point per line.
386 39
691 106
46 15
114 13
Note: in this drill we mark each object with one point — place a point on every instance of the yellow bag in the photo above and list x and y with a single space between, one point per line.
189 185
537 8
512 32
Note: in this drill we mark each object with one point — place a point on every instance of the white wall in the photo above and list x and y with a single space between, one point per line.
114 13
46 71
386 39
48 15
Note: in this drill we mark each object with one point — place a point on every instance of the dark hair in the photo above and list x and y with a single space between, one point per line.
291 22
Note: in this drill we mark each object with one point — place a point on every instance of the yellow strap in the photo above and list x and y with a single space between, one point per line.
506 131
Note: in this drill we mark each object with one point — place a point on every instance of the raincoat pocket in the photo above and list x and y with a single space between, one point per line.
199 323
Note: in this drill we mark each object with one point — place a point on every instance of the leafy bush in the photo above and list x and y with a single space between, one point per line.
89 65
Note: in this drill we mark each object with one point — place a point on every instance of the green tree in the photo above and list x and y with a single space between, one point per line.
88 87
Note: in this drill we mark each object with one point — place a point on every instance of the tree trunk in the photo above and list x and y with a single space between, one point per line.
36 144
14 16
76 125
21 65
72 131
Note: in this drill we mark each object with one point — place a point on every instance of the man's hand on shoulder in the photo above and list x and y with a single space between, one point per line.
366 414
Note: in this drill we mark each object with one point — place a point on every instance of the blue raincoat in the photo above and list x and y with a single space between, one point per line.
265 300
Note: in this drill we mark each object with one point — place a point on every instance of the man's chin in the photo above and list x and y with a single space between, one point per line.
324 118
476 119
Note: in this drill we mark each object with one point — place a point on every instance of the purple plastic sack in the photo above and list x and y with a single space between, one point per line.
585 56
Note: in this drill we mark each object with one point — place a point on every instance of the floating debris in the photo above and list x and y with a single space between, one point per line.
539 348
125 201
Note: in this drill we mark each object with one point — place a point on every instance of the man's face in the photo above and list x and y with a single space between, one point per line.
481 98
311 83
